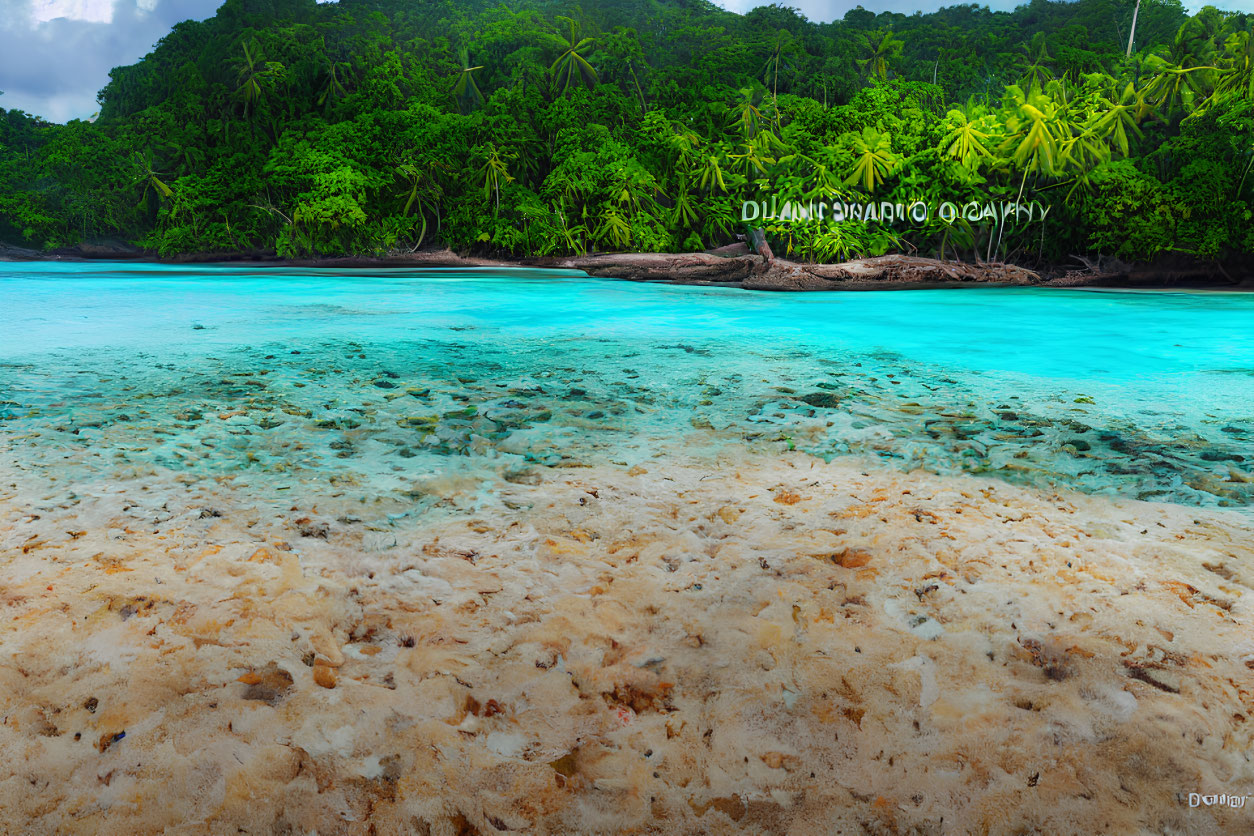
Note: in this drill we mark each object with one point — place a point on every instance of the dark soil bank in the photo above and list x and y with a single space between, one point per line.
733 266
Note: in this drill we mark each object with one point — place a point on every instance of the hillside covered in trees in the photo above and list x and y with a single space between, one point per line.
551 127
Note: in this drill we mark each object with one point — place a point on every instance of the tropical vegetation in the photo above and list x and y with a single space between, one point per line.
548 127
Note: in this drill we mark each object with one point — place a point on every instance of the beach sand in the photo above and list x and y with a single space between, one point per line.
745 644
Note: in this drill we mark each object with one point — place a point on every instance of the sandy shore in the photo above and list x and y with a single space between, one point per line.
761 644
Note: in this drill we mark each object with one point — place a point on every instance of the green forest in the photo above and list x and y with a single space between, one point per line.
551 127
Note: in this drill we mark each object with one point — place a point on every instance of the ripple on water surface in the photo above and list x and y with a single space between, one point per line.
377 378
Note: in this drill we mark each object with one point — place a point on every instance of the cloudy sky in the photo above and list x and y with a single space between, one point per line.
56 54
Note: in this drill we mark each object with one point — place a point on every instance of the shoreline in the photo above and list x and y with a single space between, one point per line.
732 266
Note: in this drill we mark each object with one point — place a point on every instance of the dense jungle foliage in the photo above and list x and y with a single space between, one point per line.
547 127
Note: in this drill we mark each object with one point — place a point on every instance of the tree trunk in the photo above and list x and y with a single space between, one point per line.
1132 34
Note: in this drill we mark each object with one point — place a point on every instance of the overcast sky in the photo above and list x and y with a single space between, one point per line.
56 54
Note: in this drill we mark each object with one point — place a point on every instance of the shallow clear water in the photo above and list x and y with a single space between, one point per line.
377 377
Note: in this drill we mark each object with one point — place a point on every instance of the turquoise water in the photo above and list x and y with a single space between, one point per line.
384 374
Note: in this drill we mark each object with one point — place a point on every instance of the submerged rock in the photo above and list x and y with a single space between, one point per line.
824 400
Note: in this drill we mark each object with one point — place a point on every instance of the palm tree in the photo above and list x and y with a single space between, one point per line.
1237 72
875 159
256 76
815 178
424 193
746 111
1029 141
682 141
879 48
1119 118
1174 89
1038 74
150 177
494 174
465 90
333 88
770 70
571 62
968 138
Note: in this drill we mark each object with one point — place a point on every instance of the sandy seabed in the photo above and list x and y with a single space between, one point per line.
757 644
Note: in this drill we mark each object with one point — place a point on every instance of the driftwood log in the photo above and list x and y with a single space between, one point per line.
758 273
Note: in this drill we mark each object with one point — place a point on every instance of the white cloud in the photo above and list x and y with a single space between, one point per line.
90 11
